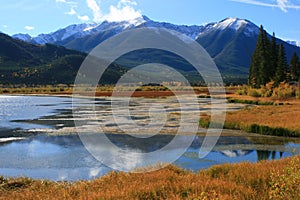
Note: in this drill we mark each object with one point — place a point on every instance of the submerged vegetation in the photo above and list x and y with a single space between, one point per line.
264 180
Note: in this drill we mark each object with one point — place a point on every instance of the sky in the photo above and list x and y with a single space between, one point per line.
44 16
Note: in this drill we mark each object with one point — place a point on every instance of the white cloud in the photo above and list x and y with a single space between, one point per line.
121 14
126 2
29 28
83 18
60 1
71 12
124 10
4 26
92 4
284 5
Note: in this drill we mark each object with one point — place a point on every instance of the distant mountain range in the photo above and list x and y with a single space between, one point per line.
230 42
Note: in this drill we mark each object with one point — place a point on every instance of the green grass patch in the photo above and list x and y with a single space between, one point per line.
252 102
253 128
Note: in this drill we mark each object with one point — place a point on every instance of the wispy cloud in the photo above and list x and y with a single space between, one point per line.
29 28
120 11
4 26
71 12
284 5
95 8
83 18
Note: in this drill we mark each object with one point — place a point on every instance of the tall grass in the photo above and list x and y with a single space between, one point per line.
263 180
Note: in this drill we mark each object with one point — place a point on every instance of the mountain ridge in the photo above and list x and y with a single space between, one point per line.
30 64
230 42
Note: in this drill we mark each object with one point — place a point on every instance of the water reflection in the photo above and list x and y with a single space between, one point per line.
266 155
65 158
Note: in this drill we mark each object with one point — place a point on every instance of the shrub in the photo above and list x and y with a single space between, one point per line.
242 90
254 92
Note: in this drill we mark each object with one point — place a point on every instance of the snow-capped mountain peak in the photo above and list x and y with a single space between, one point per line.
232 23
138 21
65 35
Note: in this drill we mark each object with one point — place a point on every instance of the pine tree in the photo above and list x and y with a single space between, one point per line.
265 69
280 74
294 68
261 67
255 62
274 56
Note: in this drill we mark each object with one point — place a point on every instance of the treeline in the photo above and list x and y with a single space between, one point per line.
269 63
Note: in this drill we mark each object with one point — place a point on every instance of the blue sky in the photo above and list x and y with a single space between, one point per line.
44 16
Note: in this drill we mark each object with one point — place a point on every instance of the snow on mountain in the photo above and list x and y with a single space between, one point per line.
72 32
78 30
24 37
81 30
190 31
234 24
295 43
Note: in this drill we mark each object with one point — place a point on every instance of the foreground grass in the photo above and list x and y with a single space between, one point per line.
264 180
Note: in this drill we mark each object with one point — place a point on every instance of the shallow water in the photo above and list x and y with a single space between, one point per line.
48 154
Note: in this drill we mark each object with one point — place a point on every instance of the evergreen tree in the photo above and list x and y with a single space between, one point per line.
261 67
294 68
255 61
280 74
274 56
265 68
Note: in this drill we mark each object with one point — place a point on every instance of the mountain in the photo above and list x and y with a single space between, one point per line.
230 42
85 37
24 63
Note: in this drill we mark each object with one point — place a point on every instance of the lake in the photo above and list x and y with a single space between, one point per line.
38 138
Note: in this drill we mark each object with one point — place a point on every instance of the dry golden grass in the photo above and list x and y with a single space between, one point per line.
263 180
285 116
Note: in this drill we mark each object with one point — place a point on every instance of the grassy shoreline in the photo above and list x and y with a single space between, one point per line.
278 179
266 116
143 91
